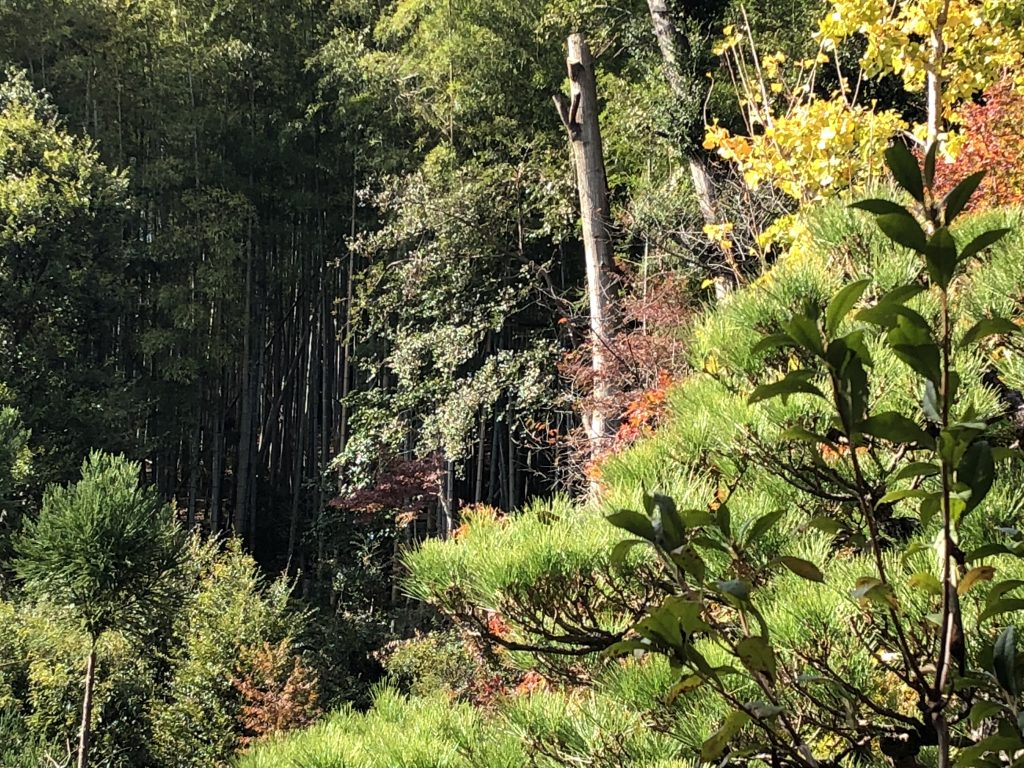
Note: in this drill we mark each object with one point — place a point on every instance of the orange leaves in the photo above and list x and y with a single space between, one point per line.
278 692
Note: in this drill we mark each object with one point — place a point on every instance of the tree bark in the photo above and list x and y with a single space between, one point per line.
579 114
674 48
84 732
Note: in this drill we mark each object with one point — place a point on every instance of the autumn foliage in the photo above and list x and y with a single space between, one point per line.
279 692
992 141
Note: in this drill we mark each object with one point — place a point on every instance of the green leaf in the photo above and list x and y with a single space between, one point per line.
904 230
917 469
671 523
825 524
880 207
929 165
926 582
621 550
736 588
762 525
624 647
687 684
791 385
905 170
981 242
941 257
905 493
977 470
803 568
757 656
930 402
634 522
1004 654
896 428
990 326
999 607
803 435
982 711
841 304
712 749
772 341
958 197
690 562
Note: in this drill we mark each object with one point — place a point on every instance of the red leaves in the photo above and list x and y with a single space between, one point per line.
993 142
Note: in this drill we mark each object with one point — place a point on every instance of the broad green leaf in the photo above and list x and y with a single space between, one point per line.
977 470
929 165
757 656
941 258
1001 606
879 206
762 525
1004 654
671 523
917 469
990 326
621 550
981 242
690 562
772 341
905 170
841 304
736 588
896 428
904 493
712 749
825 524
904 230
687 684
791 385
803 435
982 711
958 197
624 647
634 522
926 582
803 568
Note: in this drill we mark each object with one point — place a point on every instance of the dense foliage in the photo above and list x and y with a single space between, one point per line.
333 335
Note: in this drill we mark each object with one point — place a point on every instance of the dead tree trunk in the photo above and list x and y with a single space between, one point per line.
673 47
579 114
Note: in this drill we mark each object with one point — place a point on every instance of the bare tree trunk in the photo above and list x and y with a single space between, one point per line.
934 76
84 733
579 114
674 48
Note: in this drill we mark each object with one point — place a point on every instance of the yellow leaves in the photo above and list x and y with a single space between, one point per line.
720 234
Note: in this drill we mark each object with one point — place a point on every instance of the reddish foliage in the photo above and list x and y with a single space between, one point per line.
278 692
532 681
994 143
643 413
645 353
407 486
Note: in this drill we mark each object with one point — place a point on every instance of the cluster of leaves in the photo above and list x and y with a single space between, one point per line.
279 692
989 140
710 626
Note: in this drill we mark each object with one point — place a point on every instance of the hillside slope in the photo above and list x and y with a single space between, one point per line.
549 573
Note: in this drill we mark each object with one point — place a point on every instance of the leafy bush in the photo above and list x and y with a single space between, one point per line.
232 614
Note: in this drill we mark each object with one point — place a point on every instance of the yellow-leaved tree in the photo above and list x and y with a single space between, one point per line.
810 144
